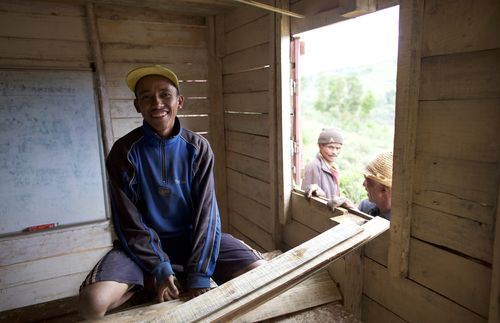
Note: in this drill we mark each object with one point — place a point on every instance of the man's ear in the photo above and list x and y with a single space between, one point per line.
180 101
136 105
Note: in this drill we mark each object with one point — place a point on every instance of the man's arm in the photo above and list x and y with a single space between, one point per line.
206 228
139 241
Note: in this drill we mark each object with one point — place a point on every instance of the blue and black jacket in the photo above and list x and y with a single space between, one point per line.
163 201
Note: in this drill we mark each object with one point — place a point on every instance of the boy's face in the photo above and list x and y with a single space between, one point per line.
330 151
157 99
377 193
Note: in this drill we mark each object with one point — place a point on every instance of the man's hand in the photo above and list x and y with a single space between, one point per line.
340 201
168 290
314 190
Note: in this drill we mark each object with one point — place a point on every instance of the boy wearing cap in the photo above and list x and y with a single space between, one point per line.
321 176
164 208
378 184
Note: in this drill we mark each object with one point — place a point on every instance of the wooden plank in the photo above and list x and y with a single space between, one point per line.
41 49
215 32
251 81
29 272
463 235
247 59
467 129
251 210
353 291
40 8
242 15
378 249
317 290
116 72
445 34
407 87
41 291
237 234
475 183
43 311
249 145
100 79
494 308
146 33
126 109
318 14
411 301
280 116
113 12
249 187
251 230
63 240
118 91
52 27
373 312
251 289
248 165
154 54
122 126
295 233
313 213
249 35
256 124
461 280
247 102
474 75
45 64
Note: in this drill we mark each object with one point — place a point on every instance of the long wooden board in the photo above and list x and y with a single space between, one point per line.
253 288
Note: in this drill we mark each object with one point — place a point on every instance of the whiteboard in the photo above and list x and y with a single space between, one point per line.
50 154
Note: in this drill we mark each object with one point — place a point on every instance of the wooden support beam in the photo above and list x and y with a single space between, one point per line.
270 8
253 288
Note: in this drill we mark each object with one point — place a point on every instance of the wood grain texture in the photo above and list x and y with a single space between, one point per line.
444 33
461 280
256 124
249 81
247 291
251 210
250 187
252 230
407 88
247 102
248 165
411 301
248 35
247 59
373 312
248 145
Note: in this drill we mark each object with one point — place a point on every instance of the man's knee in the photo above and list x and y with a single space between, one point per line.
98 298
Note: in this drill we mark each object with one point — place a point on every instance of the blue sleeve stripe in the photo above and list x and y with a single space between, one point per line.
209 238
151 240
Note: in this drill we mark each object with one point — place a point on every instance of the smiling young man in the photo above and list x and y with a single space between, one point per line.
164 208
321 175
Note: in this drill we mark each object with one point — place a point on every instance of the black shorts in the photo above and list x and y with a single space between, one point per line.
116 265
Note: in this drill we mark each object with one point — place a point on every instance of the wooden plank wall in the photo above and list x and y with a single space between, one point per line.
248 98
40 267
455 171
37 34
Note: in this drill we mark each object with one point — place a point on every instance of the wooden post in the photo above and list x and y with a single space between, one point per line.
494 311
407 89
102 94
217 131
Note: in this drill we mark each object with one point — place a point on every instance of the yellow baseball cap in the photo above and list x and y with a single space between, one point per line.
136 74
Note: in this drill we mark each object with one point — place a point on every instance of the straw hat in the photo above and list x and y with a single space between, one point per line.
380 169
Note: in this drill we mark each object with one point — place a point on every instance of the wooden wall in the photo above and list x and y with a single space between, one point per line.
443 263
110 40
248 91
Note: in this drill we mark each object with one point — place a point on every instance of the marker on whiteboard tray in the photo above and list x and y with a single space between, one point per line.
41 227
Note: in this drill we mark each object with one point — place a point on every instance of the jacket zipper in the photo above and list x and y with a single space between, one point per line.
163 170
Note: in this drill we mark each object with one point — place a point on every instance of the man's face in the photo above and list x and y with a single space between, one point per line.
330 151
157 100
377 193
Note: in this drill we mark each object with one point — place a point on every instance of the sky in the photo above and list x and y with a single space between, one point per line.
364 40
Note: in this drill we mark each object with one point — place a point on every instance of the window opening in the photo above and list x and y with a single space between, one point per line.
345 77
